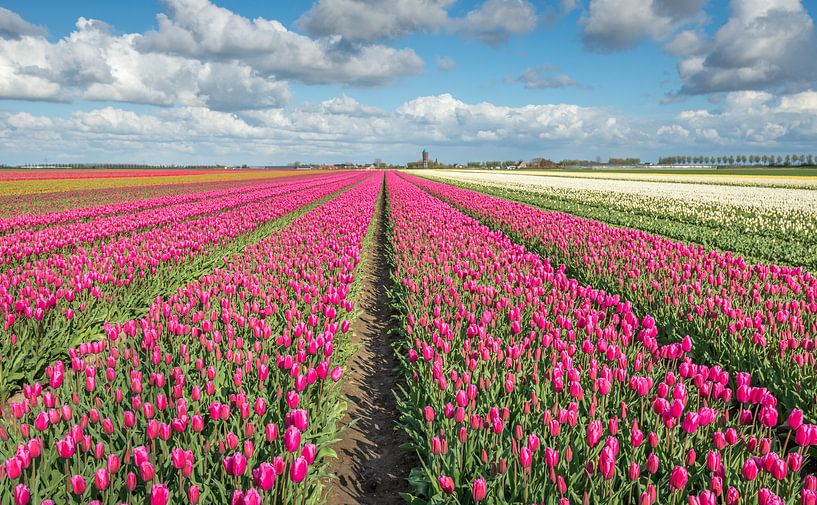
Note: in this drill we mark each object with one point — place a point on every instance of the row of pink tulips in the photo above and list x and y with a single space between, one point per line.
91 196
93 204
57 301
525 386
25 244
223 393
754 317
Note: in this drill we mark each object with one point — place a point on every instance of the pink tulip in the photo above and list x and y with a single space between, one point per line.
446 484
795 419
159 494
298 470
193 494
78 485
102 479
749 470
235 464
678 477
264 476
13 468
292 439
479 490
22 495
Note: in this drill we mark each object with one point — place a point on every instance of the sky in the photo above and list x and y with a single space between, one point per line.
265 83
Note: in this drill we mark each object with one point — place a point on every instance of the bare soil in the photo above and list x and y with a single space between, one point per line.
371 467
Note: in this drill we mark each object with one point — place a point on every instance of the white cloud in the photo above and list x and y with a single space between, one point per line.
348 106
495 21
92 64
200 29
344 128
544 77
805 102
673 132
365 20
764 44
201 55
686 43
445 117
753 118
615 25
26 121
12 26
338 126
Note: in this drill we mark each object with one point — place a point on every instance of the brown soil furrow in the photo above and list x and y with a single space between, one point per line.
371 467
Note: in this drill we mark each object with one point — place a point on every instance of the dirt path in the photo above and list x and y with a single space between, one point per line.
371 468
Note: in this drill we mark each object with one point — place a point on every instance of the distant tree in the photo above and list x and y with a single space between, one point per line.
624 161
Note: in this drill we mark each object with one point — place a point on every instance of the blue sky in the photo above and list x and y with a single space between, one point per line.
194 81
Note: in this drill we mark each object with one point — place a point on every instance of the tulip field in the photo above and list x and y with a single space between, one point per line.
187 341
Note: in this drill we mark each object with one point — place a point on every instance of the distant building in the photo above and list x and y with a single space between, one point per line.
425 158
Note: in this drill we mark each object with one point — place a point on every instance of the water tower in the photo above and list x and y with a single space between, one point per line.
425 158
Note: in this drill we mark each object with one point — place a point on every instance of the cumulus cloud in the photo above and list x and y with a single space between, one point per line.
340 126
492 22
344 127
200 55
366 20
750 118
347 106
544 77
446 118
495 21
92 64
764 44
200 29
12 26
615 25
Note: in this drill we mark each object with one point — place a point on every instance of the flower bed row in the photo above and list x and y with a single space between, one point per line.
93 204
222 393
753 317
22 244
59 301
772 225
525 386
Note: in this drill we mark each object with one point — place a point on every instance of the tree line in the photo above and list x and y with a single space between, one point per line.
742 159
